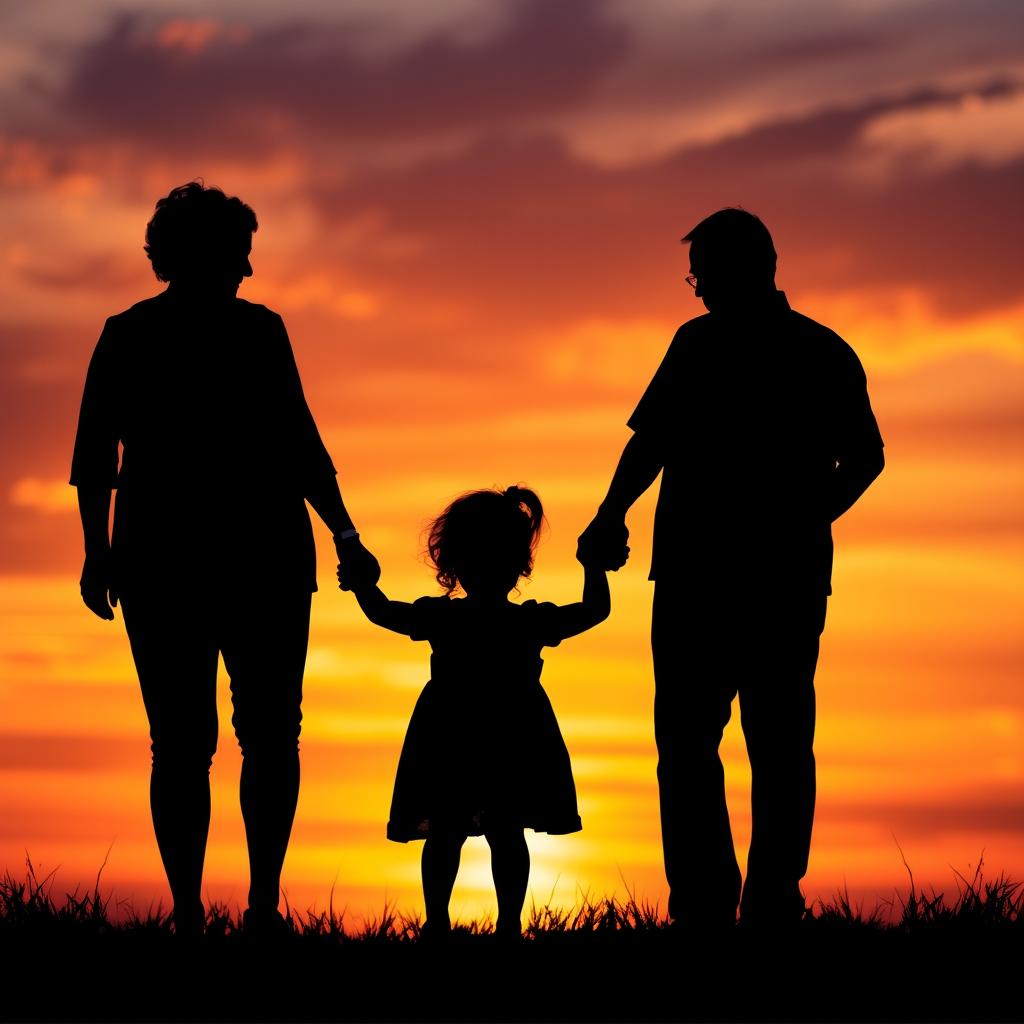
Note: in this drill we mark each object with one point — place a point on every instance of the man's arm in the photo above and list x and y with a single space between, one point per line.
604 541
859 457
638 468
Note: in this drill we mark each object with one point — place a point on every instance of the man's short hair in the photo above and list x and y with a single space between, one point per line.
736 237
193 221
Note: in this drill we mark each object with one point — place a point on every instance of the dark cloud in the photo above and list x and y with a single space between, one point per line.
790 52
526 233
518 228
238 91
827 47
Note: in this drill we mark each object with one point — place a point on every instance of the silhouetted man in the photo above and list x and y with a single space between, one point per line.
759 419
212 548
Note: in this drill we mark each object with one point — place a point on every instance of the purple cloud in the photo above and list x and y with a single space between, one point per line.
240 91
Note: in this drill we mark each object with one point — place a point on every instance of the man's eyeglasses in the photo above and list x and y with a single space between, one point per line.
691 280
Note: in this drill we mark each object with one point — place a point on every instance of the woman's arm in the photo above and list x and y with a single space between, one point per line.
356 561
315 468
94 472
96 583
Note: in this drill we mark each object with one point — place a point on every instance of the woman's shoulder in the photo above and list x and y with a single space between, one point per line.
153 308
259 321
256 310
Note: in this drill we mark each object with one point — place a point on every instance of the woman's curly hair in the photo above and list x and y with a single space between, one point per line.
193 221
501 526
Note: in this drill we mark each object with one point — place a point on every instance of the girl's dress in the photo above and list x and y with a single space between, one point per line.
483 750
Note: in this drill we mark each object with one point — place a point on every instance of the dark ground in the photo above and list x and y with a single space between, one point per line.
937 960
811 976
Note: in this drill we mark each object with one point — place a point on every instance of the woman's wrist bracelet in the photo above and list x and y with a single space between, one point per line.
346 534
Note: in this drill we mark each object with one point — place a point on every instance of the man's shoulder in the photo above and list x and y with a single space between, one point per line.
826 341
691 334
803 324
696 327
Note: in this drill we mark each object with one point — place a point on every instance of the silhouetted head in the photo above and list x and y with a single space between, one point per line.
199 240
733 259
484 541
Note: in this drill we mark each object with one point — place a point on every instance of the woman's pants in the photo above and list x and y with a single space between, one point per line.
176 636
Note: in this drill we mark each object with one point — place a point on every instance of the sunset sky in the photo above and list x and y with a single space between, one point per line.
470 213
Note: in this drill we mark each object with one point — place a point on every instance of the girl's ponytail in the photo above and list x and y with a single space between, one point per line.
527 502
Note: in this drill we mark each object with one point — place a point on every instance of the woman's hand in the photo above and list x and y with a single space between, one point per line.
97 591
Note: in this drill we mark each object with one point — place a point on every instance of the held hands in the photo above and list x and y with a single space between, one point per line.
357 566
603 543
96 586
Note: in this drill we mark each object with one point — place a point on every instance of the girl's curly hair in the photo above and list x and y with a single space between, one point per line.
501 526
192 221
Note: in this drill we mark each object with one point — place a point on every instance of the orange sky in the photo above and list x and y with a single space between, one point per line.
469 219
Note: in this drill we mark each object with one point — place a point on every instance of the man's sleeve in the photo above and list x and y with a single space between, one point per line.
94 462
651 417
856 427
312 460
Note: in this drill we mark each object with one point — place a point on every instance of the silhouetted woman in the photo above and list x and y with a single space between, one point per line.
212 548
483 754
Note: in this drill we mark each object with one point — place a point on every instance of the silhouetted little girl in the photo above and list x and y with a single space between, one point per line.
483 754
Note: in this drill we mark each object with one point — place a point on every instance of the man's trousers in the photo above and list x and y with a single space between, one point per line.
708 648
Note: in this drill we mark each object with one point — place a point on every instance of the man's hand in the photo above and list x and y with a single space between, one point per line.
603 543
97 591
356 565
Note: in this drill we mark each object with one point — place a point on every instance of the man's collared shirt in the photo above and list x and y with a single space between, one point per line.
751 414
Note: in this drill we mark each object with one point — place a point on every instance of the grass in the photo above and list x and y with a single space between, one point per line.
922 956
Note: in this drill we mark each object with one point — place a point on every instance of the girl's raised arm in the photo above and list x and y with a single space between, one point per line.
379 609
594 608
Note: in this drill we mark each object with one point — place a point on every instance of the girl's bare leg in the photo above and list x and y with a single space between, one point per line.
510 867
439 866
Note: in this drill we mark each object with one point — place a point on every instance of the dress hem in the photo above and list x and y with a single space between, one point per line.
408 834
